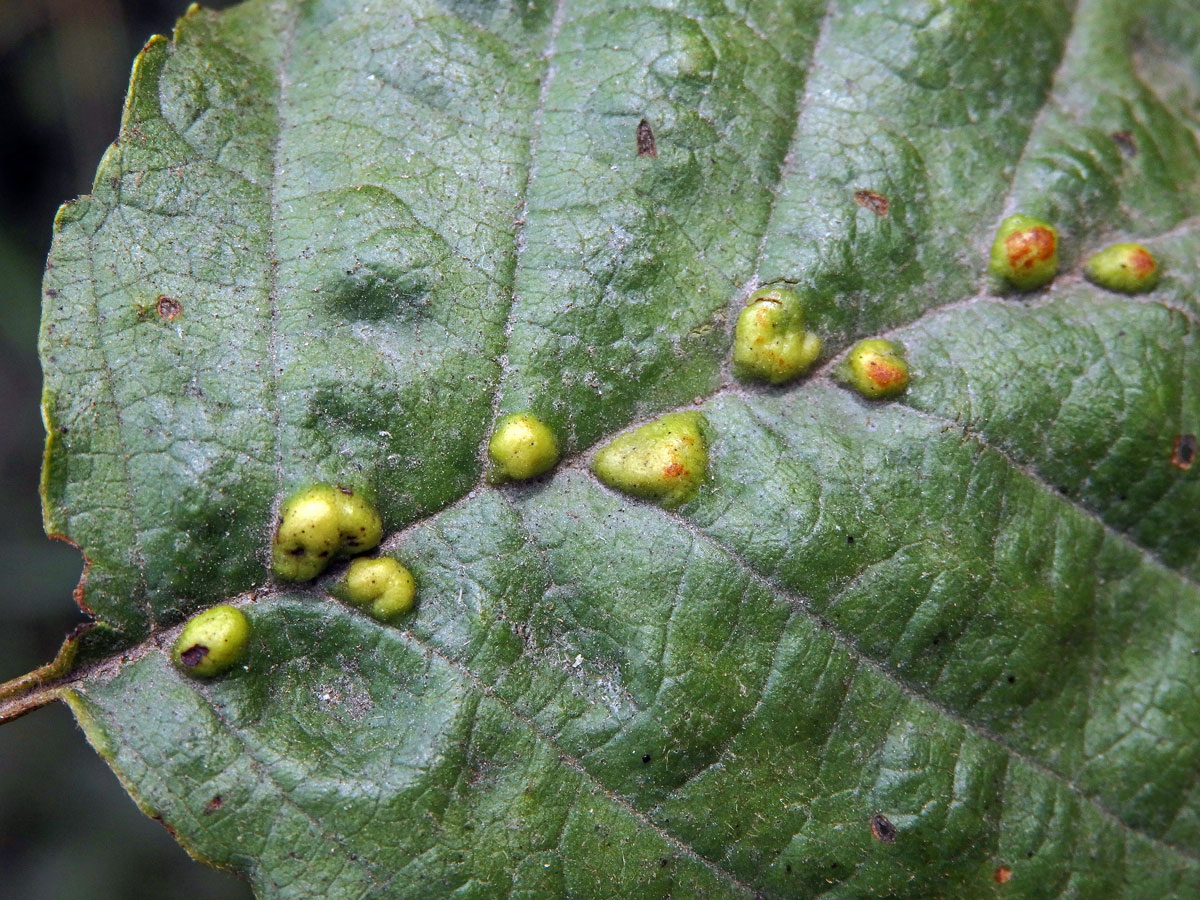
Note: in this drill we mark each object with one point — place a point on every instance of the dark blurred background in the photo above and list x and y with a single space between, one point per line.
67 829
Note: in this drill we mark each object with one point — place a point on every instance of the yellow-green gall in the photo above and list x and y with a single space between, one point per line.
212 642
309 533
664 460
875 368
1025 252
319 523
359 525
522 446
383 587
1129 268
770 343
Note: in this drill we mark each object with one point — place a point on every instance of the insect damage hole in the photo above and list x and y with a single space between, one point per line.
645 140
193 654
1183 453
168 307
883 830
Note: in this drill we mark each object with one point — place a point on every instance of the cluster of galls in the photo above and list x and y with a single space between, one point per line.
663 461
771 344
1025 255
320 524
317 525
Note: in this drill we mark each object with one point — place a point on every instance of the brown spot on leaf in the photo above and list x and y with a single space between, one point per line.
885 373
1126 142
883 830
674 470
193 654
168 307
874 201
645 140
214 804
1029 246
1141 262
1184 452
1003 874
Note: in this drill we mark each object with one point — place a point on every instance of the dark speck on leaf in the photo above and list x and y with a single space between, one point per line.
874 201
849 539
883 830
193 654
214 804
645 140
1184 451
646 758
1126 142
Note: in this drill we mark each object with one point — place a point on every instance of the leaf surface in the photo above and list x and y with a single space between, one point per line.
937 647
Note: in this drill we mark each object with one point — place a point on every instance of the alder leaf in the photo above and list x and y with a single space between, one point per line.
944 646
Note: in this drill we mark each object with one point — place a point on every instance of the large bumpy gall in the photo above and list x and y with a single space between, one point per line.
664 461
382 587
770 342
319 524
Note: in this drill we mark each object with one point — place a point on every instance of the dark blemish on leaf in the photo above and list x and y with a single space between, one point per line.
348 491
645 140
1126 142
163 822
1003 874
193 654
168 307
663 863
883 830
647 758
1012 679
1183 454
51 293
214 804
849 539
788 868
874 201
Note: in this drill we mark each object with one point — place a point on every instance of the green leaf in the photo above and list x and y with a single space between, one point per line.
941 647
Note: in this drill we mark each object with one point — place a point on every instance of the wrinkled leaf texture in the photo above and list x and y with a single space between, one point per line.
380 224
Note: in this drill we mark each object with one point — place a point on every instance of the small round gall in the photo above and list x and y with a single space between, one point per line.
1025 252
664 461
521 447
875 368
1127 268
770 343
212 642
382 587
